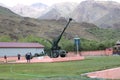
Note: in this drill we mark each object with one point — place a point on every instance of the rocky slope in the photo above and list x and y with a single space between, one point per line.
102 13
105 14
59 10
16 26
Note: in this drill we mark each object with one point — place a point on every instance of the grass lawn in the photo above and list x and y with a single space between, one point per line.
58 71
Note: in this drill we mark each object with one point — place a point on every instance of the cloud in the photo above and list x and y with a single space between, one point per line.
48 2
29 2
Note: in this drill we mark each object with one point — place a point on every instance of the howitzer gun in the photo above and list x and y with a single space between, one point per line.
56 49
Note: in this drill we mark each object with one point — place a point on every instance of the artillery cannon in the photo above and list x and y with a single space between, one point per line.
56 49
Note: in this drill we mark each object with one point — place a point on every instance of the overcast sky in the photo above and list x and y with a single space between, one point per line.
48 2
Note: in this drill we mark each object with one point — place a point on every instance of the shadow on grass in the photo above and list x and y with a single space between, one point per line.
59 78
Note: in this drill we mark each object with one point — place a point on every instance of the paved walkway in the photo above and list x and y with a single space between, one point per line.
48 59
113 74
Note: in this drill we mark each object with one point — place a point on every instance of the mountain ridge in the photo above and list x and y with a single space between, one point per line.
33 11
17 26
95 12
105 14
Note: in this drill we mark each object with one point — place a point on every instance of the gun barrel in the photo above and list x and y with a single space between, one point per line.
55 48
70 19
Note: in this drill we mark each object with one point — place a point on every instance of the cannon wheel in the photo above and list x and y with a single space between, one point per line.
55 55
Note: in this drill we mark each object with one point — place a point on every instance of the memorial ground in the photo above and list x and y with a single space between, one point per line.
71 70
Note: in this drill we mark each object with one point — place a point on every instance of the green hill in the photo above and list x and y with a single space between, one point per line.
6 12
15 27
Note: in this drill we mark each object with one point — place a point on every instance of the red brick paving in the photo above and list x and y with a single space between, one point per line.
70 55
42 59
48 59
107 74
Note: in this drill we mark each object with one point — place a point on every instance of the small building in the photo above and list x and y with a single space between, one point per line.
15 48
116 48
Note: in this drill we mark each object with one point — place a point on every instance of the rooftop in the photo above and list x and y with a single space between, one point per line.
20 45
118 42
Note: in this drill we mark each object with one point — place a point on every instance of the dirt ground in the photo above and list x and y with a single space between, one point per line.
41 59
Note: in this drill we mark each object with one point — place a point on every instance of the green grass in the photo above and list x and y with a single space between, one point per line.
57 71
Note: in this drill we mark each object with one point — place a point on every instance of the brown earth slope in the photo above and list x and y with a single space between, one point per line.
15 26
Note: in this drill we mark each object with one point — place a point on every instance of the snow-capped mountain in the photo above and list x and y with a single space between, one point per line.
33 11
